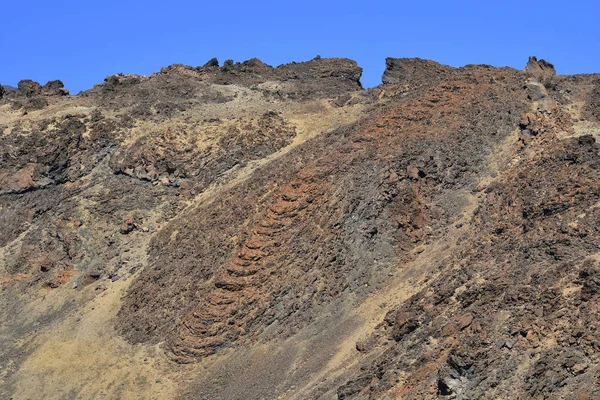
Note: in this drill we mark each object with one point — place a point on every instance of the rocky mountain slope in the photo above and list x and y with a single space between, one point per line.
240 231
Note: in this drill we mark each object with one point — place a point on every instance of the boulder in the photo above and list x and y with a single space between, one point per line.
29 88
54 88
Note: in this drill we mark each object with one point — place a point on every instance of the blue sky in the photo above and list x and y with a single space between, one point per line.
81 42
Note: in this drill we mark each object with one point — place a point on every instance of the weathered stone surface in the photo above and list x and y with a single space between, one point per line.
413 71
435 236
540 70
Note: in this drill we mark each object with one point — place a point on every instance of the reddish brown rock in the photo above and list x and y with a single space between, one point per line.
448 219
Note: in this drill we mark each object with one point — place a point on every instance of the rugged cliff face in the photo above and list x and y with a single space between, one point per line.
243 231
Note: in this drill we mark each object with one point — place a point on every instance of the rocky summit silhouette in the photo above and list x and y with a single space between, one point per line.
243 231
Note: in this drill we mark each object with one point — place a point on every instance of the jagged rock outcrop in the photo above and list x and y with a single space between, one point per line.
161 94
413 71
332 76
30 95
540 70
29 88
54 88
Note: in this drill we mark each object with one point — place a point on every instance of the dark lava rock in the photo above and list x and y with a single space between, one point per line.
414 71
492 244
54 88
30 95
212 63
540 70
29 88
317 77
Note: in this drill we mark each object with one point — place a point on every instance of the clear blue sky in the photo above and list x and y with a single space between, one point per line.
81 42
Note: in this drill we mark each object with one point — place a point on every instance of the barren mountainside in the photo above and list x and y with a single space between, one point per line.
240 231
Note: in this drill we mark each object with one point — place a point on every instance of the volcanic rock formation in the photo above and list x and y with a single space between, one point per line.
243 231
